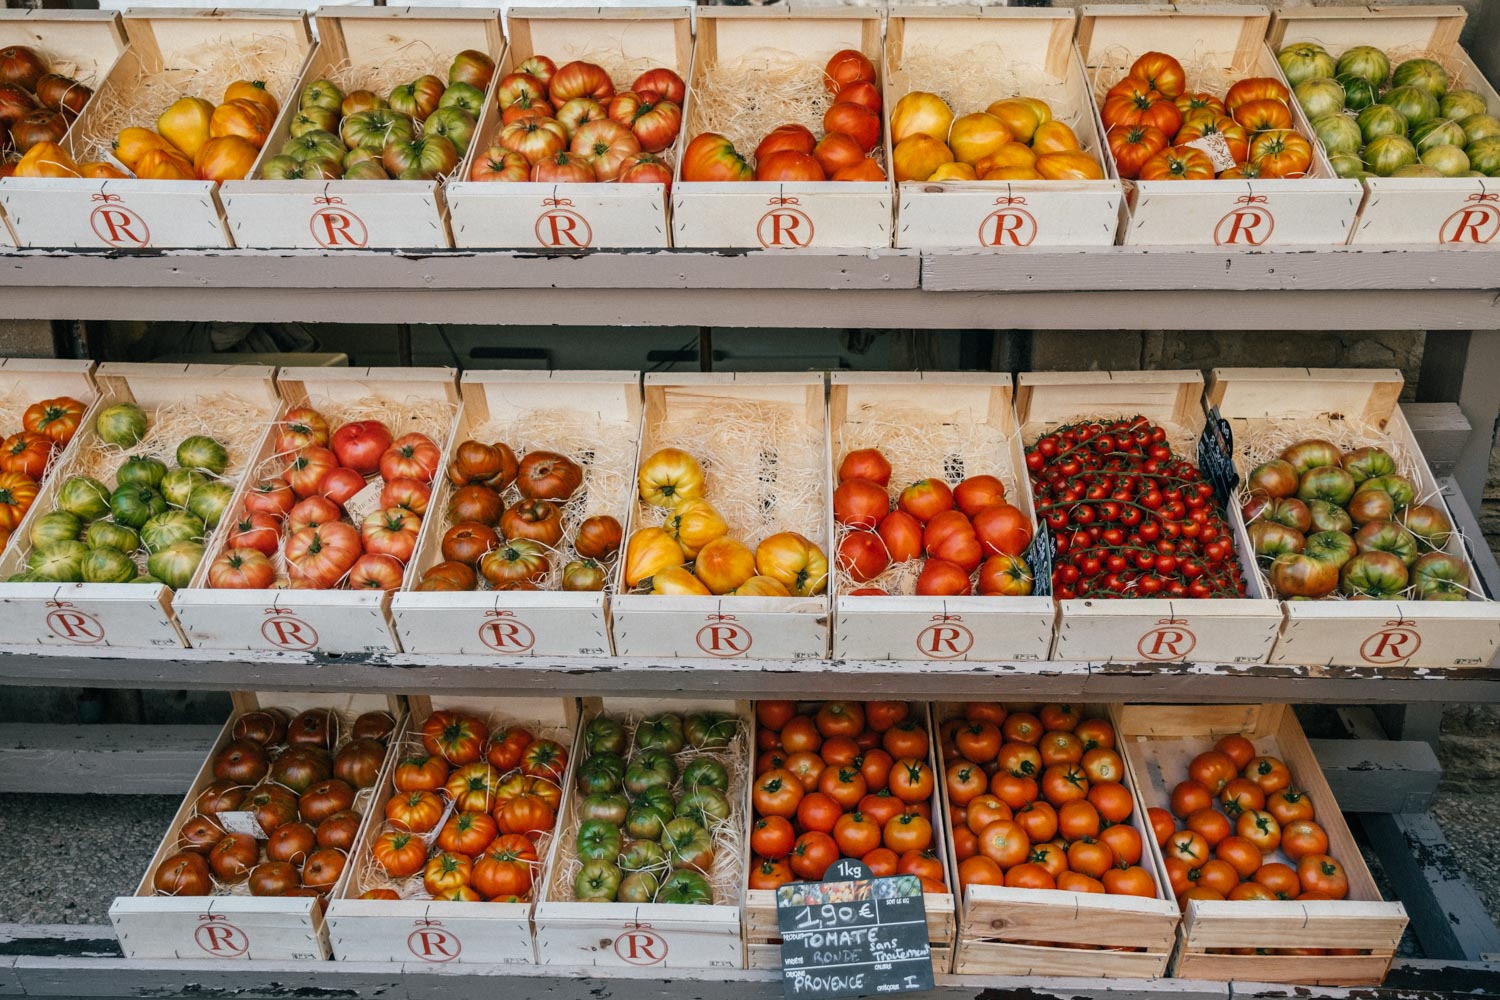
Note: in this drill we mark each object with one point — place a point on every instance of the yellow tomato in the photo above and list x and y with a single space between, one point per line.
761 586
1012 154
794 562
920 111
918 155
1013 174
47 159
1069 166
133 143
185 124
649 551
165 165
669 477
694 524
723 565
1022 115
954 172
973 137
1053 137
678 582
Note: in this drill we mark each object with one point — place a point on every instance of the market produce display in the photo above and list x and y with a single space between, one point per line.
1239 829
1159 130
169 492
1129 517
570 124
36 108
693 552
27 455
471 812
194 139
655 806
848 109
843 779
1406 121
344 510
1328 523
419 131
1013 139
1040 801
965 538
280 816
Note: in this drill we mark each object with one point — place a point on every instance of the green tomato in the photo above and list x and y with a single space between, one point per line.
598 841
121 425
1390 153
314 145
1348 165
84 496
638 887
1367 463
107 566
56 526
1478 127
1339 134
685 886
175 564
1397 487
642 854
135 505
322 94
147 578
204 453
1416 105
452 123
707 807
1320 96
1484 155
705 772
464 96
1381 120
597 882
178 485
1428 74
1416 170
658 798
371 130
1461 104
141 470
60 562
688 845
1450 161
25 576
604 735
650 769
1438 132
606 807
1305 61
1331 546
210 501
1359 93
1440 577
109 535
646 822
1331 517
1366 62
663 732
169 528
601 774
1379 575
709 730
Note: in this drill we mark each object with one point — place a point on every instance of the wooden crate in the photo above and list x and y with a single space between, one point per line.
970 425
417 926
1024 932
167 49
506 406
334 215
1037 46
326 621
1444 211
1233 630
1357 406
651 935
771 628
1316 210
575 216
24 381
791 215
1158 741
762 928
237 925
235 403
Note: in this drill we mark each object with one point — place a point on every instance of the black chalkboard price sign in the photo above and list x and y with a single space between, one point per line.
1216 456
853 935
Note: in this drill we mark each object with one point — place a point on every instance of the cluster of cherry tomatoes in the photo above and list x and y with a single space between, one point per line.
843 779
468 811
1038 801
1129 518
1232 821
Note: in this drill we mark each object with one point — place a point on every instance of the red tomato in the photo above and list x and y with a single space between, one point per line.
789 165
845 67
1002 529
941 578
862 555
712 157
902 535
798 138
925 499
812 854
817 811
860 503
865 463
359 445
772 837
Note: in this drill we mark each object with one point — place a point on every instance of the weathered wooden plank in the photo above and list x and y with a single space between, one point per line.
59 940
1382 776
1440 428
10 983
103 759
1448 917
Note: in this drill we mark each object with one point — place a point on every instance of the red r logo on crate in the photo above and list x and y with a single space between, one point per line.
640 945
784 225
561 226
945 638
431 943
1249 224
1009 224
502 633
722 636
286 631
1474 223
333 227
219 938
1398 641
117 225
67 622
1170 640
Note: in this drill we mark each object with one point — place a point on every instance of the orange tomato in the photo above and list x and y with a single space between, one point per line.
1049 856
881 861
918 156
1189 847
985 711
1241 794
882 715
1237 748
1189 797
1005 843
978 741
808 768
908 832
1303 837
1074 882
1095 733
973 137
1064 783
1013 790
979 870
1077 819
1263 116
1054 137
1022 727
1210 824
965 781
911 780
983 810
816 811
799 734
1178 163
1038 819
1112 799
1090 857
1281 153
1288 805
1163 825
1240 854
1060 747
1124 840
1021 759
1260 828
905 739
1256 88
774 714
1269 773
965 841
1219 876
1030 876
1281 879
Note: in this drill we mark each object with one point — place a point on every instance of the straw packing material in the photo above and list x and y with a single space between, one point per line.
1204 70
749 96
953 77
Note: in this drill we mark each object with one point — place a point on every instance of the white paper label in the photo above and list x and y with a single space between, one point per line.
1217 149
366 502
241 821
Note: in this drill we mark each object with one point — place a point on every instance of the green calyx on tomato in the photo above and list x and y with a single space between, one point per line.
650 769
709 730
640 855
604 735
597 882
705 806
685 886
660 732
688 845
645 822
599 841
601 773
705 772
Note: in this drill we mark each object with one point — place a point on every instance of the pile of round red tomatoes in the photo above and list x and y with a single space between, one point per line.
1239 816
842 779
1129 518
468 811
1039 801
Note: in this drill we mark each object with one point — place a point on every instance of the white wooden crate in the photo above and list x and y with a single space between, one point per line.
327 621
774 215
333 215
1316 210
535 623
1226 630
1036 46
1157 742
574 216
950 409
434 931
24 381
133 213
1446 211
1362 404
650 935
237 925
770 628
135 614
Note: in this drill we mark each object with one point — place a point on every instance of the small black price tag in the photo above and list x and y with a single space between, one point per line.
1039 555
1216 457
853 935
